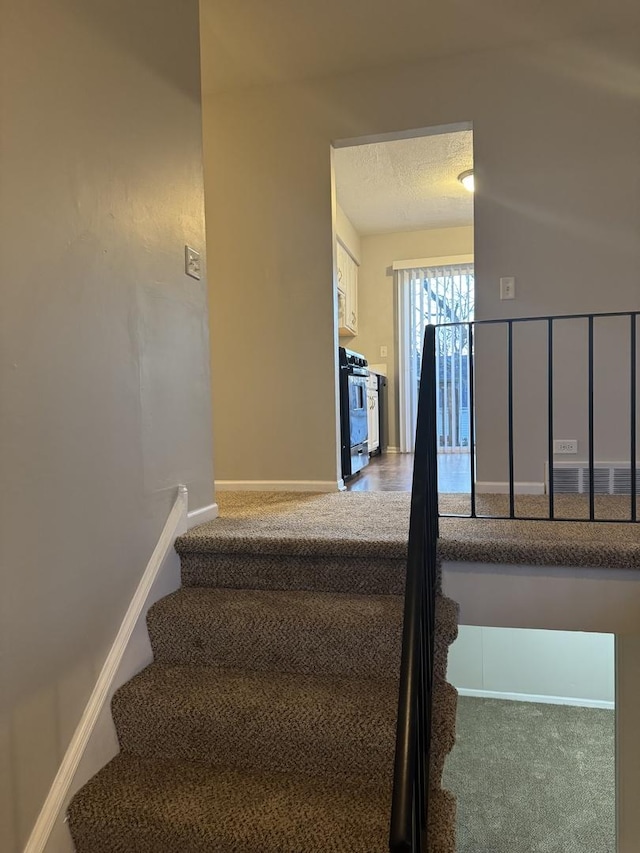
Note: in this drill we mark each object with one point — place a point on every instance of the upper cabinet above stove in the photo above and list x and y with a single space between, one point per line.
347 293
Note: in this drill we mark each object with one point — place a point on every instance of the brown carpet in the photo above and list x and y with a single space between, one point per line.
358 524
266 723
541 543
607 507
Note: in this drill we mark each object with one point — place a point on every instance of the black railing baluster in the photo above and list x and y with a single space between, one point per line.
634 424
472 424
550 414
592 488
431 439
410 806
512 500
422 757
423 746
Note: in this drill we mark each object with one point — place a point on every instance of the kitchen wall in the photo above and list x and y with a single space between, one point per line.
348 235
555 127
541 665
104 374
377 314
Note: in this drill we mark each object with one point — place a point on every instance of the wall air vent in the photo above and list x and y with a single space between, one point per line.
609 478
565 480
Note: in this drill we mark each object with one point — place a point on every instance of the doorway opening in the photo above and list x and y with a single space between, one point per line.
404 259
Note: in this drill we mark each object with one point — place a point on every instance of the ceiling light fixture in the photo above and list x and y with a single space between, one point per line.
466 179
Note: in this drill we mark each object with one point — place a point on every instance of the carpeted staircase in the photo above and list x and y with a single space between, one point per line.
266 723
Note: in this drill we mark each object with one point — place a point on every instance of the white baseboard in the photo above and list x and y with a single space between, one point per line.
277 485
544 700
202 515
501 488
392 450
94 742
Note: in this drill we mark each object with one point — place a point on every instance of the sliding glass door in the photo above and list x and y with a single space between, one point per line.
436 295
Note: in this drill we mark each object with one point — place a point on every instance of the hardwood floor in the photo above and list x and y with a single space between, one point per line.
390 472
393 472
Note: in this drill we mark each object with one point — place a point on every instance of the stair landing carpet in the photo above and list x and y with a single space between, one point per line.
266 722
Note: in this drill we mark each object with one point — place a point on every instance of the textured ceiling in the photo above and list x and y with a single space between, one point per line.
407 184
255 42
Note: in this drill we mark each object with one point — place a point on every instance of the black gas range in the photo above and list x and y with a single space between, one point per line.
354 430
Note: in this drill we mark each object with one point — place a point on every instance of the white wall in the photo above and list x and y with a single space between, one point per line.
536 665
348 235
104 375
555 127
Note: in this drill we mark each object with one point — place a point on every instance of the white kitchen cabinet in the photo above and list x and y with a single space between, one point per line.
373 413
347 293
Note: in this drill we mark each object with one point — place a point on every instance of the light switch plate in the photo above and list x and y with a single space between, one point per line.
191 262
383 352
507 287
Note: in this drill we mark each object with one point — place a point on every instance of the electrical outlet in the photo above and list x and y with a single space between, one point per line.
507 287
383 352
563 445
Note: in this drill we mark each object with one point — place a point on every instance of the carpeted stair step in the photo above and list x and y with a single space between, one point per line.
135 805
296 631
266 723
313 633
447 618
447 614
443 727
259 721
441 821
321 572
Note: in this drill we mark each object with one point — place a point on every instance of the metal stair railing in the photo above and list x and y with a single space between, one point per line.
553 324
410 798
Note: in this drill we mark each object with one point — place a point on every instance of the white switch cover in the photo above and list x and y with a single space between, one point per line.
191 262
383 352
507 287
